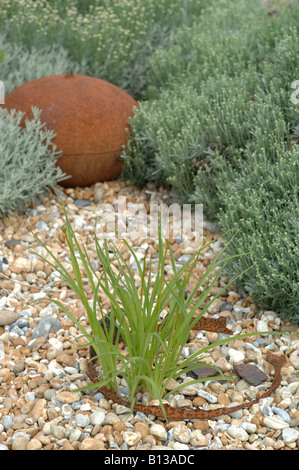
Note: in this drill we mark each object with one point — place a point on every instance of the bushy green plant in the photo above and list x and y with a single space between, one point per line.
222 104
112 40
28 161
20 65
261 199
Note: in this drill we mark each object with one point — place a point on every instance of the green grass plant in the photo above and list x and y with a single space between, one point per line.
154 353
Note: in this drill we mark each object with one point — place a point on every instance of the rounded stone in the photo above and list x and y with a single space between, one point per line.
197 439
97 418
290 435
275 423
46 326
238 433
158 431
82 420
89 118
181 433
92 444
131 438
20 443
7 317
34 444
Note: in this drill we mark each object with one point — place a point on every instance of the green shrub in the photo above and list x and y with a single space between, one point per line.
220 116
111 39
261 198
28 159
20 65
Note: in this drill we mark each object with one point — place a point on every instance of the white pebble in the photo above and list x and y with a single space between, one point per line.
275 423
97 418
181 433
238 433
75 435
235 355
261 326
157 430
290 435
82 420
179 446
58 345
131 438
207 396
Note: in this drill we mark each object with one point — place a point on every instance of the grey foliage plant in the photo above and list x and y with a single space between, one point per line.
21 65
28 161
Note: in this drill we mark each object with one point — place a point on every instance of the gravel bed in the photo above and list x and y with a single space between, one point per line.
40 366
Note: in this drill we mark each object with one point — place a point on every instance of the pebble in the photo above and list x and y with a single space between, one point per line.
158 431
20 443
250 428
197 439
238 433
275 423
131 438
236 355
46 326
41 369
97 418
181 433
290 435
82 420
7 317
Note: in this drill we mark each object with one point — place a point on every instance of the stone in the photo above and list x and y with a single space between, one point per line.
131 438
57 431
275 423
97 418
215 306
82 420
38 408
290 435
34 444
238 433
21 265
20 443
197 439
202 372
66 359
158 431
250 428
46 326
181 433
142 428
67 397
261 326
92 444
7 317
89 118
251 373
236 355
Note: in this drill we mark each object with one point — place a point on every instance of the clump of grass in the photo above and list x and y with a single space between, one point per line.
154 345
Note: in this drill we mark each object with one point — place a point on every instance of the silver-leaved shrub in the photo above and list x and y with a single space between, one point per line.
28 161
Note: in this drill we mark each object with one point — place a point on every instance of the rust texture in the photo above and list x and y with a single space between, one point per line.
277 361
89 117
